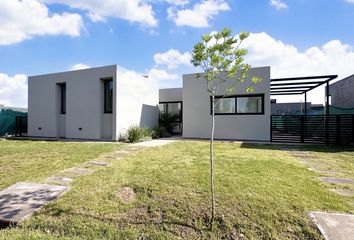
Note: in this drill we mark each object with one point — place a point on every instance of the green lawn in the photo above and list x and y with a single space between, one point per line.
262 192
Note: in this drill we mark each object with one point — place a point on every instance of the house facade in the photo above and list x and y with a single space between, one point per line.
239 116
97 103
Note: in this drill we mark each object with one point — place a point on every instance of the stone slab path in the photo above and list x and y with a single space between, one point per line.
344 192
78 171
95 163
336 180
60 180
21 200
334 226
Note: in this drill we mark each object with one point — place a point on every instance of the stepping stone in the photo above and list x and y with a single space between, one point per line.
334 226
110 157
78 171
336 180
344 192
122 152
97 163
61 180
21 200
313 169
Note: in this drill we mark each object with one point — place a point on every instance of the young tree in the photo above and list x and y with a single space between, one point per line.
222 59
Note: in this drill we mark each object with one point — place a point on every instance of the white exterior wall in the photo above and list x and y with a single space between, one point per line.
171 95
84 108
137 101
197 118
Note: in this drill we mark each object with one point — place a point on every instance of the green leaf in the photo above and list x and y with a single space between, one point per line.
244 35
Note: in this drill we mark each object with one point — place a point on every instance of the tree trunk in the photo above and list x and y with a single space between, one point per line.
212 162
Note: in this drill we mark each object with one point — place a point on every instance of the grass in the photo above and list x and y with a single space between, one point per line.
261 191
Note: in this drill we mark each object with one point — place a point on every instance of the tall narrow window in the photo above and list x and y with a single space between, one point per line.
108 96
62 98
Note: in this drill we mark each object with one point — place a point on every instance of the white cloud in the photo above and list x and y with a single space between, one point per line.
98 10
333 57
173 58
350 1
161 75
20 20
278 4
13 90
79 66
286 60
199 15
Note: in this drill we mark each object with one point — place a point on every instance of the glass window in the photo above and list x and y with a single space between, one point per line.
175 109
249 104
108 96
225 106
163 107
62 98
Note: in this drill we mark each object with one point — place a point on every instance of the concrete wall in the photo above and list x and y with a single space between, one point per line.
137 101
342 93
197 118
84 116
170 95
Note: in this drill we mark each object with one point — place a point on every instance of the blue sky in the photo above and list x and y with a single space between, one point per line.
155 37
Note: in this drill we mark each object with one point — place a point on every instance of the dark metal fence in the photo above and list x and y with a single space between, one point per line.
318 129
21 126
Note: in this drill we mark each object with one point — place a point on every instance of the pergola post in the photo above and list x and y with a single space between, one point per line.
327 113
305 110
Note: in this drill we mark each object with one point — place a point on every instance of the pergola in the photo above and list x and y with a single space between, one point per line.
300 85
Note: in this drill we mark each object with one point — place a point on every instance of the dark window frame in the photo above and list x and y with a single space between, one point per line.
105 106
181 115
235 99
62 98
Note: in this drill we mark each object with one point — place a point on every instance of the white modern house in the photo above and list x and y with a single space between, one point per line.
97 103
239 116
102 103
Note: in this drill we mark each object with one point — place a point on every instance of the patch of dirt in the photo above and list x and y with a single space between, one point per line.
127 195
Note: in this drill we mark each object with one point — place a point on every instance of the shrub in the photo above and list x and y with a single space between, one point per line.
168 121
136 134
159 132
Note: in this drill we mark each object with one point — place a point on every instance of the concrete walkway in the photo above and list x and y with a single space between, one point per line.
334 226
156 142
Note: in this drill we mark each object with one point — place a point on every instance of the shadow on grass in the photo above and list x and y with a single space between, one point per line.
299 147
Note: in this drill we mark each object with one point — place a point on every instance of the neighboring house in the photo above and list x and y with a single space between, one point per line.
342 93
239 116
16 109
289 108
97 103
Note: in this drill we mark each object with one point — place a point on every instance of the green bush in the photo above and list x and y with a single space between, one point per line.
136 134
168 121
159 132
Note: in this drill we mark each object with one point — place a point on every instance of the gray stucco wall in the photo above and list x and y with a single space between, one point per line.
84 108
197 118
342 93
170 95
